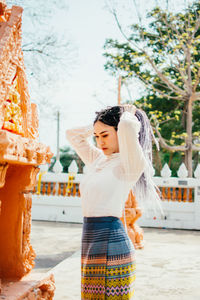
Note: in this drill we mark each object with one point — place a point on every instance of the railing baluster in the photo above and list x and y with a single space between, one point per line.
179 194
43 187
79 193
59 188
68 192
169 194
54 188
64 189
190 195
184 194
163 193
49 189
74 190
174 194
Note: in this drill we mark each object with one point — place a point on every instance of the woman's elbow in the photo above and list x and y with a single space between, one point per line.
140 170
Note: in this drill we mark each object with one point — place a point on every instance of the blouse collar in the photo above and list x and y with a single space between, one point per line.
113 155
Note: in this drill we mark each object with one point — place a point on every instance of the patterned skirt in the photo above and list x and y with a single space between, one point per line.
107 260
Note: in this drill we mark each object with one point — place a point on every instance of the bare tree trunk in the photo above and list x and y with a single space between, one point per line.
119 90
158 161
188 153
170 159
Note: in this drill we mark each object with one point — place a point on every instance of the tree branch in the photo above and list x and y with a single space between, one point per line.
195 148
196 27
166 146
165 121
159 91
171 86
36 50
119 26
188 59
197 81
183 74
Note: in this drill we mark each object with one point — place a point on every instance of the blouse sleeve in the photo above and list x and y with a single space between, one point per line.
131 154
78 138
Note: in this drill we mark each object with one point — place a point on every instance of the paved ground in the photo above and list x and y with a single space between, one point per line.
168 268
53 242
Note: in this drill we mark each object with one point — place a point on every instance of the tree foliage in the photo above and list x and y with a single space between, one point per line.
165 57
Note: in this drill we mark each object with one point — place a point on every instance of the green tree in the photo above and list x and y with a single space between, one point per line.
165 56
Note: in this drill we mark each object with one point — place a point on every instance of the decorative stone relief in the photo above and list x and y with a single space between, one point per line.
20 155
133 213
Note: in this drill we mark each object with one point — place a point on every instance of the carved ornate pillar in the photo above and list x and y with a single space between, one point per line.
20 155
15 222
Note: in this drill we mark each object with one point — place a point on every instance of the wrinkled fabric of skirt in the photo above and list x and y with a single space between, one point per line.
107 260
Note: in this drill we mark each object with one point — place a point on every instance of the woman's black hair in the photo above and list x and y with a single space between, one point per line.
110 116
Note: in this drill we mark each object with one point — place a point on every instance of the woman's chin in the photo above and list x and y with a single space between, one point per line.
106 151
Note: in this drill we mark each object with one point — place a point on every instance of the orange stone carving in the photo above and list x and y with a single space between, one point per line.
20 155
133 213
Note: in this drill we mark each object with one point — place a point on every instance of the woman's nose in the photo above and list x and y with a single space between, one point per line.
102 143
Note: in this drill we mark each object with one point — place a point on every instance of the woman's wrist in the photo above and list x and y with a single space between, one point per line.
130 108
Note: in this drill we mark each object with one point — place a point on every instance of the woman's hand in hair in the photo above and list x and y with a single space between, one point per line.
130 108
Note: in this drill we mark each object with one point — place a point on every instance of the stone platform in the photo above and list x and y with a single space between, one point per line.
32 286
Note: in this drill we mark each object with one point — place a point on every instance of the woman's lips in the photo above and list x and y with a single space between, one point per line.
104 148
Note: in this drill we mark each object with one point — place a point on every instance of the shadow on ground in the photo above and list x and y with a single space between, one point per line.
50 261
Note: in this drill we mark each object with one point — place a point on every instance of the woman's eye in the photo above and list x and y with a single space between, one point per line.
96 137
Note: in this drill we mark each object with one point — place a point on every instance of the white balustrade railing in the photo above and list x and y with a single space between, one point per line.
57 197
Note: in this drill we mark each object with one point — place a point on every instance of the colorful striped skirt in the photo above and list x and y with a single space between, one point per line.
107 260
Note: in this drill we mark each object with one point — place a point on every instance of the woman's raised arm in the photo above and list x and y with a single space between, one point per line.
78 138
131 153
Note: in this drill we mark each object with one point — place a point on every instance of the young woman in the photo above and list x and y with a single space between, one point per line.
117 164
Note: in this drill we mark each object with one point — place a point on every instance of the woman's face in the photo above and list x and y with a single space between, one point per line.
106 138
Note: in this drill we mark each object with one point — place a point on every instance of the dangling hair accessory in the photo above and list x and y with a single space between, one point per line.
145 190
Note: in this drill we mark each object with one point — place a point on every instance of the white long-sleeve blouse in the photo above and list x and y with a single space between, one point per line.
106 184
